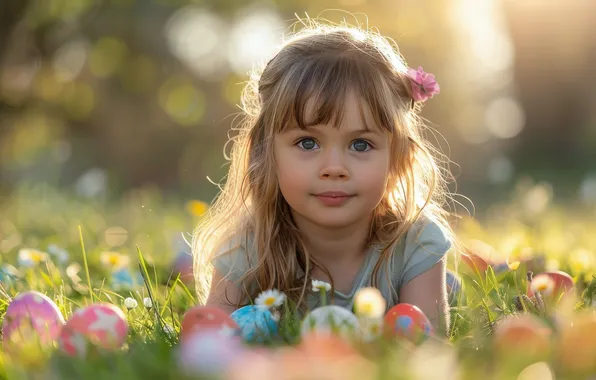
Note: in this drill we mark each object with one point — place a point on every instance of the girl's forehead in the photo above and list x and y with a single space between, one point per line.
351 114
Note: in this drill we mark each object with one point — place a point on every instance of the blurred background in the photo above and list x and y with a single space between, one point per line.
101 98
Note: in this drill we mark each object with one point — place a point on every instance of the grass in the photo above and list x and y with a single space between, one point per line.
553 237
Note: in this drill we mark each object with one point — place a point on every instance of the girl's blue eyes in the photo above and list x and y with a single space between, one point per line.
309 143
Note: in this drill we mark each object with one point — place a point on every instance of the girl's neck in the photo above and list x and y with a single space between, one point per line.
335 245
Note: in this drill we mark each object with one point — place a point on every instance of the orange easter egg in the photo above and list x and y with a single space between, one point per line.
524 335
325 345
475 262
576 344
207 318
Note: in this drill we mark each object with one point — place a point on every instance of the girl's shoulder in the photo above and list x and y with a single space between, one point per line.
423 246
234 256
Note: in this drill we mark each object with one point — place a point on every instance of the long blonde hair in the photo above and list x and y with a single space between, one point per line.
321 62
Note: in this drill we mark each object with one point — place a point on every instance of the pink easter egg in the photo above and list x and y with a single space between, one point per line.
408 321
563 283
102 325
207 352
31 315
207 318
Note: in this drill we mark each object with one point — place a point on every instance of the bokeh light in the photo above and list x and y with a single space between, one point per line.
70 59
254 38
183 102
197 37
505 118
107 55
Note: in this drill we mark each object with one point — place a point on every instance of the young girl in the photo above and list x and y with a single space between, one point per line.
330 179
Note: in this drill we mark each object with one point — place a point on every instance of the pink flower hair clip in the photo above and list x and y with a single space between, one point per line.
424 85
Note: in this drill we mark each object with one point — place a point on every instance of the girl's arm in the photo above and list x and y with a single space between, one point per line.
428 292
223 294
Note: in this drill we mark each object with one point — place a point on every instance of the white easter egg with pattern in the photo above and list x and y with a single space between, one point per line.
331 319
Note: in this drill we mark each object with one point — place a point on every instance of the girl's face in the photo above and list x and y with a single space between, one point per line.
334 177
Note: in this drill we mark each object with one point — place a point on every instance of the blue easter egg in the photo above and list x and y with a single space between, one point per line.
123 279
256 323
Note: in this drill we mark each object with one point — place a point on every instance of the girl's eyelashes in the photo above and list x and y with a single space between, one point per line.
361 145
309 143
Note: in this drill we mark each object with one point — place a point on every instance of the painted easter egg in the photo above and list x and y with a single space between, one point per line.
453 283
407 321
207 352
524 335
331 319
256 323
575 348
183 264
563 283
207 318
325 346
123 279
475 262
101 325
31 315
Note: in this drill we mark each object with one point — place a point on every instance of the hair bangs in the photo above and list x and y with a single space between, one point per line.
317 94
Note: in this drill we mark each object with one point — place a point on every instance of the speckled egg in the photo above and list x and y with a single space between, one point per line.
331 319
207 318
31 315
407 321
207 352
256 323
101 325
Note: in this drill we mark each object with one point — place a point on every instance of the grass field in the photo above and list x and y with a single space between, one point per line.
80 252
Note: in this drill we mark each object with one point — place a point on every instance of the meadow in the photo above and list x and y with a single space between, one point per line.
81 252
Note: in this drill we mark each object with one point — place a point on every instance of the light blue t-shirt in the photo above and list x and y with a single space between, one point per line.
420 249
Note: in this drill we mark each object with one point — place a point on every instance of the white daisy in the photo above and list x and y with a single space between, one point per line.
147 302
369 303
130 303
318 286
31 257
270 298
542 284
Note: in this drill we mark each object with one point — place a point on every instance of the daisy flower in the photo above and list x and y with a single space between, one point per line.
147 302
270 299
31 257
130 303
114 260
542 284
369 303
318 286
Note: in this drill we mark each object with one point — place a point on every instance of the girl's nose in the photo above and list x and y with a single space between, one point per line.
333 166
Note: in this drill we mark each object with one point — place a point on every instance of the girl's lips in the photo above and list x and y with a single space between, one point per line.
333 200
333 194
